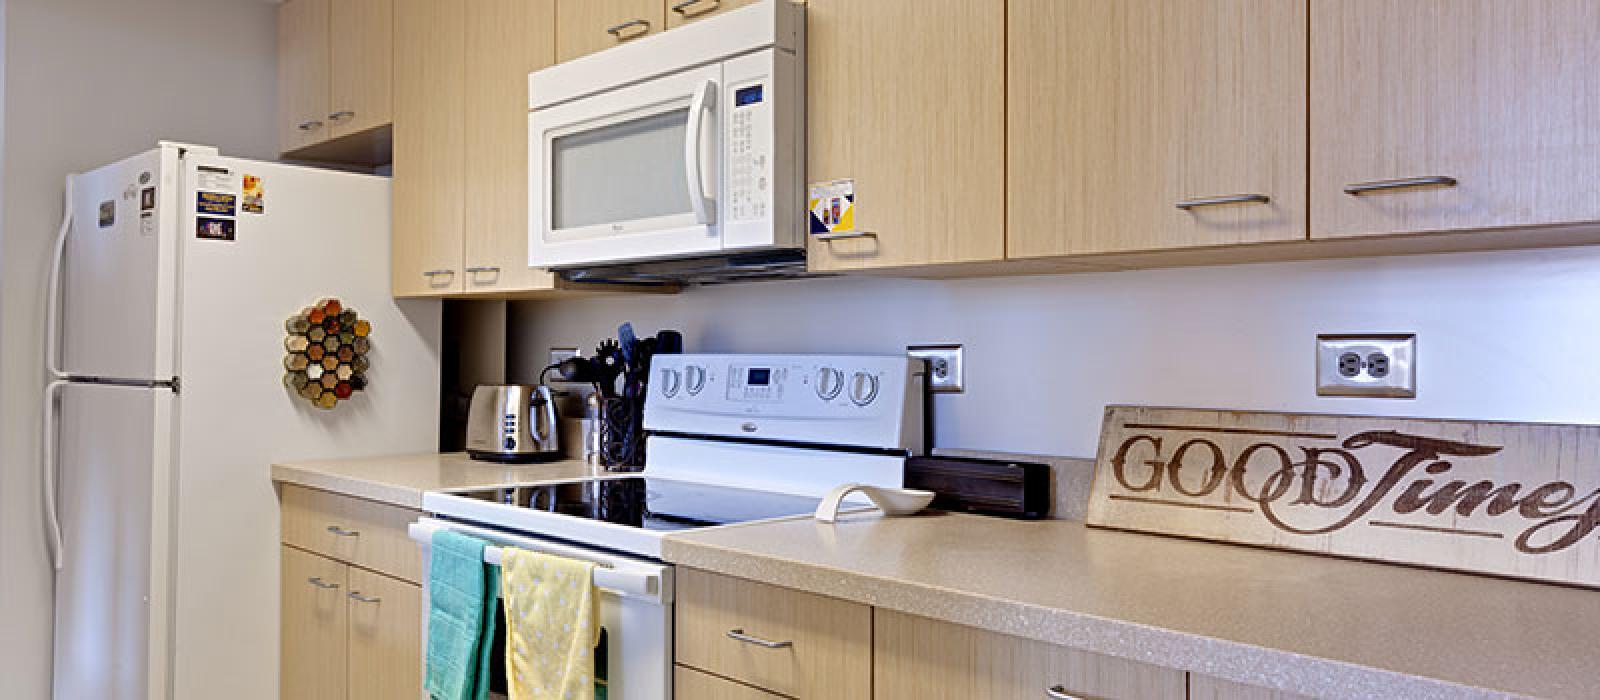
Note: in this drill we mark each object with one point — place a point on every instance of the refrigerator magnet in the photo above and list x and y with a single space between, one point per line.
213 229
215 204
253 198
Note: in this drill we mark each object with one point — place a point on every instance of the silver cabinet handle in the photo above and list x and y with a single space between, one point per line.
436 273
341 114
1056 692
309 124
738 634
357 597
682 8
617 30
335 529
1188 204
1361 188
319 583
844 235
483 268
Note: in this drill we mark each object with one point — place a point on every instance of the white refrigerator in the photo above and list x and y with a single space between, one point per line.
167 406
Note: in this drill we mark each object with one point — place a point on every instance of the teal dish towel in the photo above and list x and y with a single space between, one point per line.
459 605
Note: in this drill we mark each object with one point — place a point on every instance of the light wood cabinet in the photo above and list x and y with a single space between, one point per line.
429 141
681 12
1151 124
385 637
506 40
1502 98
907 98
1203 687
689 683
788 642
362 66
335 79
304 78
586 26
364 533
922 659
314 627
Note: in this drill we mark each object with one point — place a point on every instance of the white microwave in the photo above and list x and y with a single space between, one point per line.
689 143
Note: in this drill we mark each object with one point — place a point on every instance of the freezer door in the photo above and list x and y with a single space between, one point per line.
111 594
119 270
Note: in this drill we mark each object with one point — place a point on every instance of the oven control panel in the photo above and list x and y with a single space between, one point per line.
855 400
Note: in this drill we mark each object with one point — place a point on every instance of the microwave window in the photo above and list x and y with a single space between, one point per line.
618 172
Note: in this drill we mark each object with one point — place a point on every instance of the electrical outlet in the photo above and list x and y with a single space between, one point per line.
944 367
1380 364
559 355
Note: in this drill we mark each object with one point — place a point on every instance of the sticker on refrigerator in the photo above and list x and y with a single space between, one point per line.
211 177
147 199
147 223
108 213
832 205
215 204
212 229
252 200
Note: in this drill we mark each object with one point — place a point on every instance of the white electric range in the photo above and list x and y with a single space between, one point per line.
731 439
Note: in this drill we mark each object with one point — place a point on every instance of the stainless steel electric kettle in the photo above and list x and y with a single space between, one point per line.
513 423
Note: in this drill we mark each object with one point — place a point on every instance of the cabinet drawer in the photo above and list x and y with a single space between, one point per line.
694 685
922 659
785 641
365 533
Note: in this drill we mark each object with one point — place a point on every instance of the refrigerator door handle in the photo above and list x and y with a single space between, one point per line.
51 515
52 333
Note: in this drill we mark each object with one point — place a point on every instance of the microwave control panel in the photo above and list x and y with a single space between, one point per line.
749 150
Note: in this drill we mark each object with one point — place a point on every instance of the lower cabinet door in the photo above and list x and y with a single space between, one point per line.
385 637
695 685
916 658
314 632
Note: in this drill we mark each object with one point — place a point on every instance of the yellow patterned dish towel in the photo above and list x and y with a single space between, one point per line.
551 625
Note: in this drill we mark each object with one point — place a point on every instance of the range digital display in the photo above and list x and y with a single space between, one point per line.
758 376
747 96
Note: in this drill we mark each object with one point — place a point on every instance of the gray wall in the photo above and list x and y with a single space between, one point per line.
1501 335
88 82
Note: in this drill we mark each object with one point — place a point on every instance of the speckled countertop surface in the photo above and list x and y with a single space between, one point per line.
401 479
1308 624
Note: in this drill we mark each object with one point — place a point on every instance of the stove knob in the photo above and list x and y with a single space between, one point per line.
670 381
696 376
863 388
829 383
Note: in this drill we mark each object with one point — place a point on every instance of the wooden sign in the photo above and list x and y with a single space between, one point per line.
1512 499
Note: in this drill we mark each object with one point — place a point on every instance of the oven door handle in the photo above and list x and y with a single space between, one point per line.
704 100
637 584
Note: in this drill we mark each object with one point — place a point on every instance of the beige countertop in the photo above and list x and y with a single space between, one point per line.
1297 622
401 479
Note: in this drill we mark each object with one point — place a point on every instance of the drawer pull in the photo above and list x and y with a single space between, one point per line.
335 529
319 583
616 31
309 125
739 635
1188 204
1056 692
357 597
842 235
341 114
682 8
1361 188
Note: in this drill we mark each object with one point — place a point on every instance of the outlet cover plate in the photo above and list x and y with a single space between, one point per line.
945 371
1367 365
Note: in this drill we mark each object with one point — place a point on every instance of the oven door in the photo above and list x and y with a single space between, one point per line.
627 174
634 659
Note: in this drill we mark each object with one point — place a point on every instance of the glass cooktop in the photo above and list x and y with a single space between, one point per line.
651 504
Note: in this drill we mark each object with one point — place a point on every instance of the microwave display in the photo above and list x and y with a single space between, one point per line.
759 377
744 97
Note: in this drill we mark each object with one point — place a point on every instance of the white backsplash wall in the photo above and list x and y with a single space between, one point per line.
1505 336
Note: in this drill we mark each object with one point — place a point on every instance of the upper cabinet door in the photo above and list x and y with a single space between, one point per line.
907 98
506 40
681 12
303 77
1153 124
429 137
586 26
1431 115
363 53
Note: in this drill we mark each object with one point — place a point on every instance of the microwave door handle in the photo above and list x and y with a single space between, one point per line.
693 166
